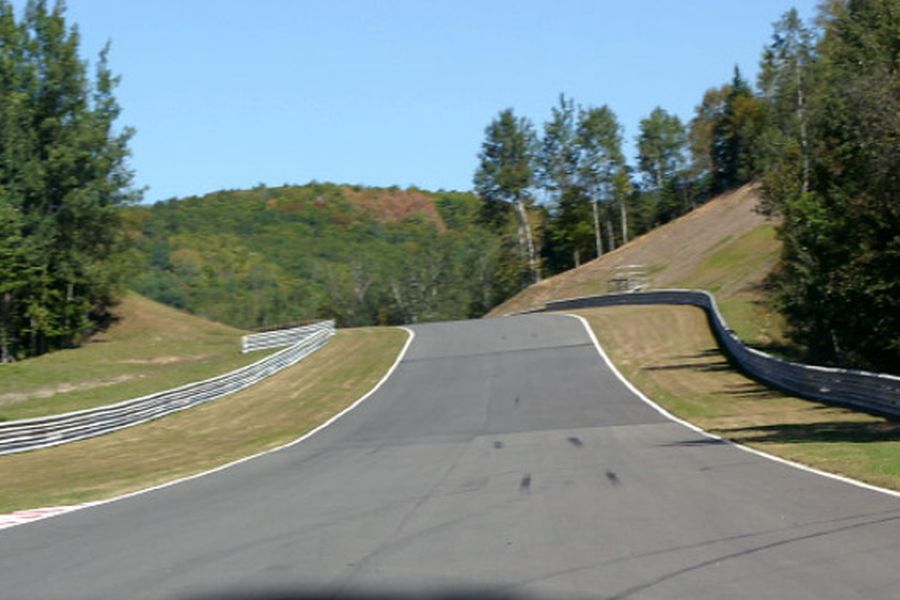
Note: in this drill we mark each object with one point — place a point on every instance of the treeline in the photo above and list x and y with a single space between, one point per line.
830 158
821 131
570 194
62 180
364 256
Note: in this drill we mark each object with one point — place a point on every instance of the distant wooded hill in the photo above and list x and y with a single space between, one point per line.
266 256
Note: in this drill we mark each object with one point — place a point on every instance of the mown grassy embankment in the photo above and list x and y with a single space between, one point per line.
149 348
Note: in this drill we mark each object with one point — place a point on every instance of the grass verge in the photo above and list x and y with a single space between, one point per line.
670 354
150 348
266 415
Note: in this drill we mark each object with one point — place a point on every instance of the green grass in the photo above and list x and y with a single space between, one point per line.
262 417
758 325
735 262
734 275
150 348
670 354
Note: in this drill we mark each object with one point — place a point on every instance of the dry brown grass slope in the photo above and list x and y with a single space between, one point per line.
724 246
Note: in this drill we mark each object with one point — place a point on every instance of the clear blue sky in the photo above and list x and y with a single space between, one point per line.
228 94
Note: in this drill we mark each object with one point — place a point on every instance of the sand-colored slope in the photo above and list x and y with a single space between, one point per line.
724 246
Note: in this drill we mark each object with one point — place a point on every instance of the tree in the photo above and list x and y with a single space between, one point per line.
504 176
14 277
557 164
601 166
701 137
661 145
623 190
785 79
62 172
735 136
837 282
557 157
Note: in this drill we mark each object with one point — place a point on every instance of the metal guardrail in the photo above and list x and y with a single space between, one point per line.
43 432
281 337
876 392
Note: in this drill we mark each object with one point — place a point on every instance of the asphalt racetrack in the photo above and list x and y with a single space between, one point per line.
501 460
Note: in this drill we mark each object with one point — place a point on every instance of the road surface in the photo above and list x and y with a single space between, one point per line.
501 460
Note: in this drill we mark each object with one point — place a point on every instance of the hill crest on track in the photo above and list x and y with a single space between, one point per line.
725 247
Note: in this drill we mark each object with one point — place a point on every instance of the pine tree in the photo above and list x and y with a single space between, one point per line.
701 137
838 281
785 80
661 144
600 163
63 172
557 157
557 162
14 278
504 178
735 136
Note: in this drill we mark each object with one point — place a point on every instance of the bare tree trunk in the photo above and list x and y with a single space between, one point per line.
576 256
529 240
610 235
395 289
5 343
838 355
598 237
624 214
804 143
520 233
5 353
486 288
70 295
34 337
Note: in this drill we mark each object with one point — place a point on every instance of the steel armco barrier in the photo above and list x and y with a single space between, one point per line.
876 392
281 337
43 432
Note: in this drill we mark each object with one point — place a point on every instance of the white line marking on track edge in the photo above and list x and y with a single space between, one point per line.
9 521
692 427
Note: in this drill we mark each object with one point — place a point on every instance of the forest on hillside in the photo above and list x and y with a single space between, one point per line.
272 256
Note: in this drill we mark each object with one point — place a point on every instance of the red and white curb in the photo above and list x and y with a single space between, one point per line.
36 514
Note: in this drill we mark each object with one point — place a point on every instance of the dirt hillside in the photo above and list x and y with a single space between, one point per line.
724 246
